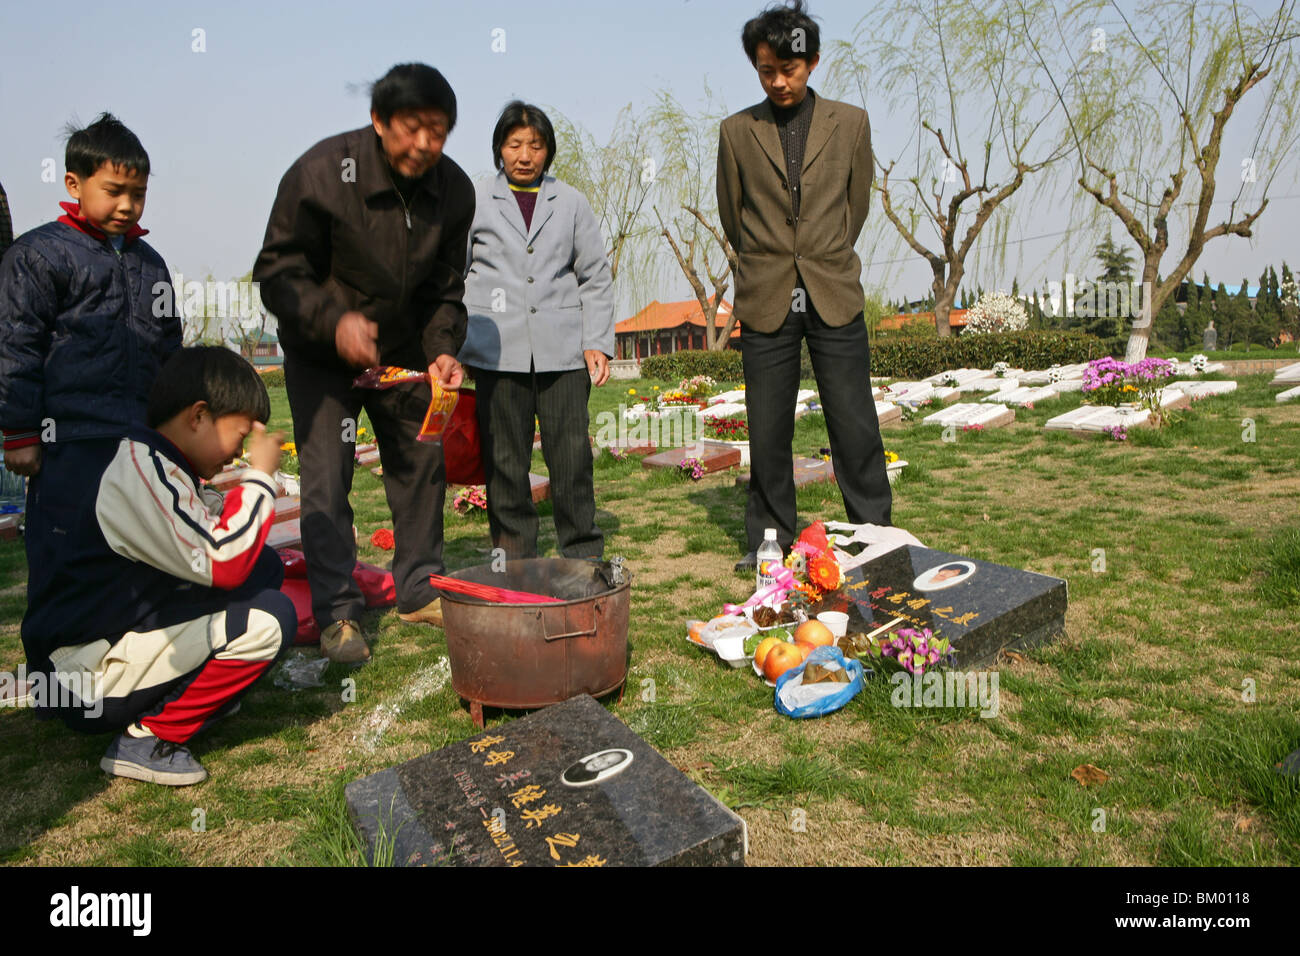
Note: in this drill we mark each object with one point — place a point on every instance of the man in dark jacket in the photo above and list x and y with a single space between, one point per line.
363 265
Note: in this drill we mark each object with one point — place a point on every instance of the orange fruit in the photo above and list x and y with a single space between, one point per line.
780 659
815 633
765 645
693 629
805 648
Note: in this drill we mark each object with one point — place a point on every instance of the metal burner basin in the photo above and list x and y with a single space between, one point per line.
524 656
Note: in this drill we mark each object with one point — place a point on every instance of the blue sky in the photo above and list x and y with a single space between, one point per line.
221 126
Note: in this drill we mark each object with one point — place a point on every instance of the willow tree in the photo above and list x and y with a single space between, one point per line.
687 206
617 177
980 116
1149 97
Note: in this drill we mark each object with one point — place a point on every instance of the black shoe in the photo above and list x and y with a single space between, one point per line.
748 563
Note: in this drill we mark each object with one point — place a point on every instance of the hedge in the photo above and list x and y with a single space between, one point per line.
915 357
273 378
1026 350
722 366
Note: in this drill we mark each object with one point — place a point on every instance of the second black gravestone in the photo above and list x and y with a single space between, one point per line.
981 607
569 785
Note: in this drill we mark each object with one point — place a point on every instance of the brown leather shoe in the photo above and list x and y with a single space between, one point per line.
344 643
431 613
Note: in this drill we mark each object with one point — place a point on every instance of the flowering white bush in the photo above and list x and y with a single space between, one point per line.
1000 369
997 312
1289 293
1199 362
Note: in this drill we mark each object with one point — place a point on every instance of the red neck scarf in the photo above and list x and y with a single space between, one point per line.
73 217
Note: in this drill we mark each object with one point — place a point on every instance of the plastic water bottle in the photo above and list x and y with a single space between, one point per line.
13 492
769 551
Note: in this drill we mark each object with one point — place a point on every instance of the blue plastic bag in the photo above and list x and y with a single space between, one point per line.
827 700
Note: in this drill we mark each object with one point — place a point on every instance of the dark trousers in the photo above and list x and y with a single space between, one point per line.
507 404
325 410
841 364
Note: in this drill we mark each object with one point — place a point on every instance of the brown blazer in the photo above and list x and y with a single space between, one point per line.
758 219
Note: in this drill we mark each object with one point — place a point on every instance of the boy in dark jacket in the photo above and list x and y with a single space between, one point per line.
155 604
86 321
86 317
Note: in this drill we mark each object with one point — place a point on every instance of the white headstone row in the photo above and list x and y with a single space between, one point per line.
1098 418
1287 375
1289 394
972 413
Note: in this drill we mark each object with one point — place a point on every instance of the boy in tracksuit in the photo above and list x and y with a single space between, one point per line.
155 603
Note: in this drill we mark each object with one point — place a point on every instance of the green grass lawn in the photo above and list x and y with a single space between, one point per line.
1179 675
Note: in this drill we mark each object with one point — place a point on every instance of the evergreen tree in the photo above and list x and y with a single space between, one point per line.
1229 317
1116 264
1266 309
1169 329
1254 329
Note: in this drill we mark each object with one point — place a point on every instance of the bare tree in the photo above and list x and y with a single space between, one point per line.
617 178
1156 90
957 68
688 222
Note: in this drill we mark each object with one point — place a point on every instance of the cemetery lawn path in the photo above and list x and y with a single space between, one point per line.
1179 676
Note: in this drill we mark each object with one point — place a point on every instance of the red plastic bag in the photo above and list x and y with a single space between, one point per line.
461 449
376 585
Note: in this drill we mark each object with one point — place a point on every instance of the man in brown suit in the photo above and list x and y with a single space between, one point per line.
794 183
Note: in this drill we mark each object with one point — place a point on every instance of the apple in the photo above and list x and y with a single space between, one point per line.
815 633
780 659
765 645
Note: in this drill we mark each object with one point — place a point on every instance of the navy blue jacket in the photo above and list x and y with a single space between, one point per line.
83 333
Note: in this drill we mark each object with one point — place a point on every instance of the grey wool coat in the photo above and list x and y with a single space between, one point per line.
536 297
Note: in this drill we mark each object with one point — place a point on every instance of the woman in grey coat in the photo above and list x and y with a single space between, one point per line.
541 333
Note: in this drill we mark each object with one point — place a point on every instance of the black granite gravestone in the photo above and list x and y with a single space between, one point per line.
569 785
979 606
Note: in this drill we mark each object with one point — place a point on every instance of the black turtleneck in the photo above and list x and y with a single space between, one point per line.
792 125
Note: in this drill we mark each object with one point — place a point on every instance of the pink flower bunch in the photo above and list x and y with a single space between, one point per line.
1117 432
972 428
692 468
470 499
1111 371
1104 371
915 650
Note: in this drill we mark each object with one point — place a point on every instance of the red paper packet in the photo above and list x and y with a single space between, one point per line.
436 418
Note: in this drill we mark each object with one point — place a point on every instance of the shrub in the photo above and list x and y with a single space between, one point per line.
272 377
723 366
919 358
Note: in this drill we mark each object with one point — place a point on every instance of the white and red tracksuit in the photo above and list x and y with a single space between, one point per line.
164 604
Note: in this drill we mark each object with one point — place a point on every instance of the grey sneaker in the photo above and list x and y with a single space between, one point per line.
152 760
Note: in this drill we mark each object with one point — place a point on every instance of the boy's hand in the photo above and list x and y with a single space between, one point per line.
264 448
356 339
24 461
